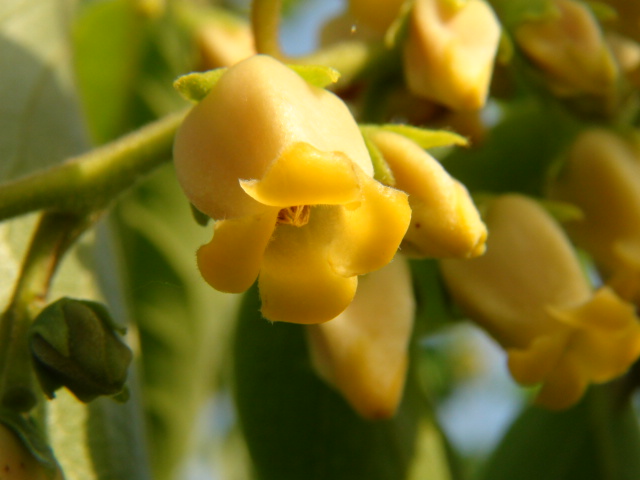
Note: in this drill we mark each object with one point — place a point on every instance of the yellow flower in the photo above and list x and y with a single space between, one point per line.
530 293
601 176
363 352
570 49
449 54
444 220
282 168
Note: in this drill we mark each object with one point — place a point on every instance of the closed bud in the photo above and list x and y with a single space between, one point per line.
601 176
570 50
444 220
364 351
530 293
76 344
450 52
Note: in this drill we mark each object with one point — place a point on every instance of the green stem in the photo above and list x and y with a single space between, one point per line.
89 182
53 236
265 22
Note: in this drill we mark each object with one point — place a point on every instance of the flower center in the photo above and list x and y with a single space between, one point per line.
297 216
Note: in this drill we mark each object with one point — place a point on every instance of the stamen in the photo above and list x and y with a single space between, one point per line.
297 216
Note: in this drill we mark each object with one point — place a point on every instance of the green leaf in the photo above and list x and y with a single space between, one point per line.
598 439
295 425
182 323
40 122
108 40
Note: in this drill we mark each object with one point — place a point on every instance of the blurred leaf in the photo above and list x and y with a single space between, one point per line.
595 440
518 152
296 426
108 39
182 323
39 117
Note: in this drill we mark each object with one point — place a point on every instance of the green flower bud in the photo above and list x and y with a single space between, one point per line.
75 344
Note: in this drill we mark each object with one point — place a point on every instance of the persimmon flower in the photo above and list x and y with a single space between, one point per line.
450 51
601 176
570 50
444 220
283 169
363 352
530 293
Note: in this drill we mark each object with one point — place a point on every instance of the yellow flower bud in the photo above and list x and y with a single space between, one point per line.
283 169
17 463
601 176
363 352
449 54
570 49
444 220
530 293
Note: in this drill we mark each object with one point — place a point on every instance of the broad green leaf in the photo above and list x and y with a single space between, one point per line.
381 170
108 40
183 324
598 439
296 426
39 117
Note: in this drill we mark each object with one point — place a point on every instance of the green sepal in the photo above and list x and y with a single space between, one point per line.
317 75
602 11
514 12
399 28
76 344
32 439
424 137
381 170
200 217
195 86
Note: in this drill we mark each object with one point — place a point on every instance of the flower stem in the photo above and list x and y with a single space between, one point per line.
90 181
53 236
265 22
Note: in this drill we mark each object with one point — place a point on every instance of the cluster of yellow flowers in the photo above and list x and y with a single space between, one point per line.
286 173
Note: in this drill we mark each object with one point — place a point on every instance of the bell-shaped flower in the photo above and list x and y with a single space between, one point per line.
570 50
444 220
364 351
601 176
450 51
283 169
531 294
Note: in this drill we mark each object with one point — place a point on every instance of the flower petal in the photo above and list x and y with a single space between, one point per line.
304 175
297 282
366 238
231 261
363 352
